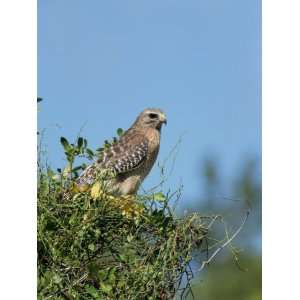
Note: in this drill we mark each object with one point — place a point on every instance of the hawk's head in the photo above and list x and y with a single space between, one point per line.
151 117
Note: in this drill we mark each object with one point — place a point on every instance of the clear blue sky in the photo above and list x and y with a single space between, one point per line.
101 62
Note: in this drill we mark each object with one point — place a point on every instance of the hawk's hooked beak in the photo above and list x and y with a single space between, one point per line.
163 119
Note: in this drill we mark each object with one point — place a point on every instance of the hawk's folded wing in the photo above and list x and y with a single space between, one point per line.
124 156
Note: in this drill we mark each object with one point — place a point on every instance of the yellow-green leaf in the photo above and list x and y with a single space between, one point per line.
106 288
96 190
159 197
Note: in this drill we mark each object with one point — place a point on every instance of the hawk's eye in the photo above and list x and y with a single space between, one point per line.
153 116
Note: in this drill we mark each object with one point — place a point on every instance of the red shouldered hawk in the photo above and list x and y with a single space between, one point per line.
132 157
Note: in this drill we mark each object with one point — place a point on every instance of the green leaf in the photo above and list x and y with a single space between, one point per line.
101 274
73 219
50 173
56 278
112 276
70 157
80 142
107 144
77 168
122 257
106 288
160 197
93 270
65 143
91 247
92 291
97 233
120 132
129 238
89 152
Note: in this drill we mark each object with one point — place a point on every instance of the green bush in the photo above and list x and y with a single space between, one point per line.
100 246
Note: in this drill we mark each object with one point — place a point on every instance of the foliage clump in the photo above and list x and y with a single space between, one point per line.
100 246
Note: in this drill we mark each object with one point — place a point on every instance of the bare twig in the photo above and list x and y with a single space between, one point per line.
206 262
171 155
212 221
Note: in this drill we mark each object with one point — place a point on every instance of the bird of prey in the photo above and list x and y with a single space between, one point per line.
132 157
